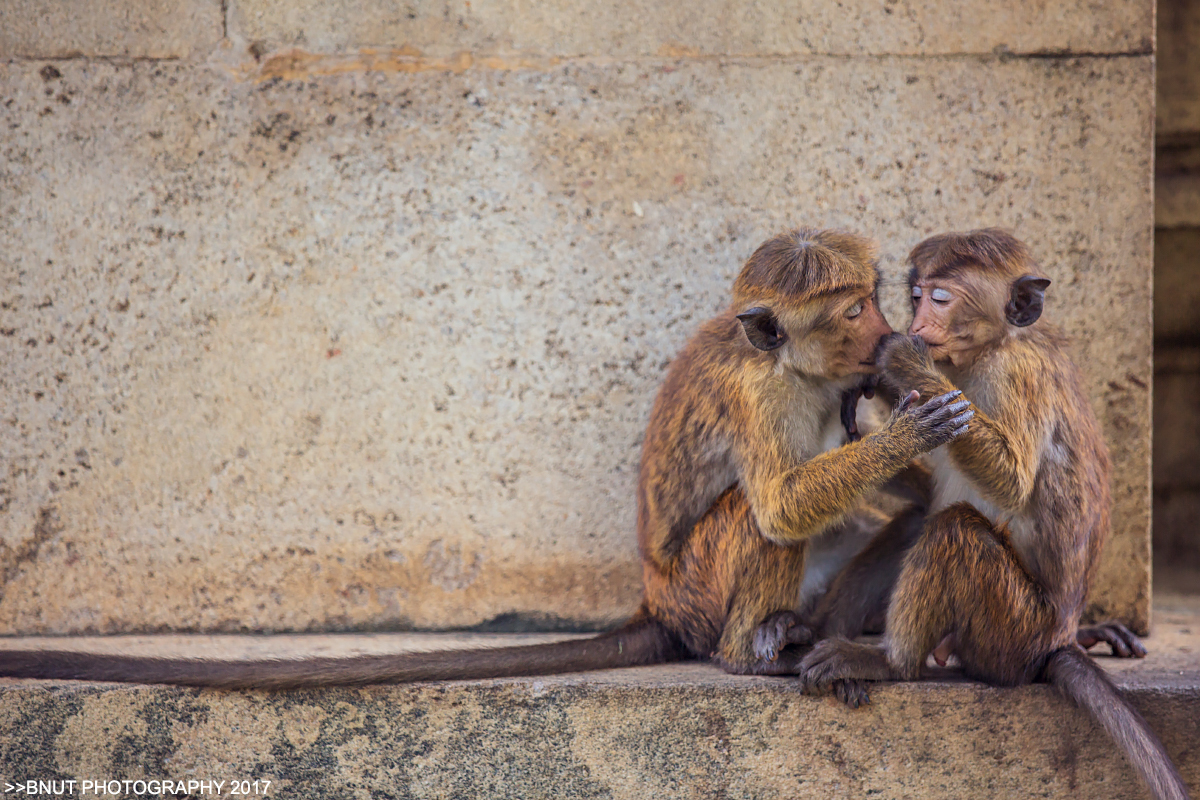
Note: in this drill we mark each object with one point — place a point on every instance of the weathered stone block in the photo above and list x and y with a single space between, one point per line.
1177 429
1177 285
677 731
376 349
1178 66
121 28
712 27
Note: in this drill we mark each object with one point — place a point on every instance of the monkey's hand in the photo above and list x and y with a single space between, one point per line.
850 398
905 364
925 427
777 632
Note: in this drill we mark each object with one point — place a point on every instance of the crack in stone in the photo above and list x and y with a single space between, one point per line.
47 526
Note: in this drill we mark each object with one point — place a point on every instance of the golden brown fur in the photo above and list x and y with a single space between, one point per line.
759 418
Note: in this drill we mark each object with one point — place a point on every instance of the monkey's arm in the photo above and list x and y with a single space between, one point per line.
999 451
1000 456
795 502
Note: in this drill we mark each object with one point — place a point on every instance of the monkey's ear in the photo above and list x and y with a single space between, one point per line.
1025 302
762 329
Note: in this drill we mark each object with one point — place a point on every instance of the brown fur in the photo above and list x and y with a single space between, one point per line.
732 421
725 582
730 414
1021 501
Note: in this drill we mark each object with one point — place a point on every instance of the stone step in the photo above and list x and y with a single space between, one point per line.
684 730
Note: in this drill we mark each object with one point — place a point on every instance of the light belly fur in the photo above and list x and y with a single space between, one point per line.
952 486
833 549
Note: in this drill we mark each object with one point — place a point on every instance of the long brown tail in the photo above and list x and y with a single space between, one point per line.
1080 679
640 641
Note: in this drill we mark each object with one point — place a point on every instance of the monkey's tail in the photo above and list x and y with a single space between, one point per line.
640 641
1081 680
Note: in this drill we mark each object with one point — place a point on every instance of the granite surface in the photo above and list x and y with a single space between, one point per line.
289 350
679 731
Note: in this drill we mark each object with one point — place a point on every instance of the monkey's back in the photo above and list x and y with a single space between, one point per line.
1074 486
687 459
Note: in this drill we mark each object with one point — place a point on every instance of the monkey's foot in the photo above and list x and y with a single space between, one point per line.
1124 642
777 632
787 663
841 667
851 692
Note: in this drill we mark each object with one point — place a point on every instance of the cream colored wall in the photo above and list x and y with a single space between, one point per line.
350 315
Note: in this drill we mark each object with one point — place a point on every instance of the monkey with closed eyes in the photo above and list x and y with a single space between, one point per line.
1000 571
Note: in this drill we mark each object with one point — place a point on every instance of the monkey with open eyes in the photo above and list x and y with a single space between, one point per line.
732 486
1000 573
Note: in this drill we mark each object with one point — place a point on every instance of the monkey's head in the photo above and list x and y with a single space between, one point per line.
971 290
808 298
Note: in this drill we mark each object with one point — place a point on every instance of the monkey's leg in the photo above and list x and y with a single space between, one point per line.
763 649
761 621
860 592
842 667
961 578
1124 642
921 583
964 578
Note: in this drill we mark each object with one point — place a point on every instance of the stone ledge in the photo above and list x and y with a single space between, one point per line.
683 730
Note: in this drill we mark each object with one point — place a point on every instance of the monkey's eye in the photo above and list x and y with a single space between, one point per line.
854 310
916 294
941 296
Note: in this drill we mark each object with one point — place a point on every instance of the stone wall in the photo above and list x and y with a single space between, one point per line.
349 316
1177 292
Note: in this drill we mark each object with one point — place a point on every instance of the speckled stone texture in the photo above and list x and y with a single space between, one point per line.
375 349
110 28
683 731
707 27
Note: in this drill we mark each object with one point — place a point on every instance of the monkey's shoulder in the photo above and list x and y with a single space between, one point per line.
707 365
1034 370
699 407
